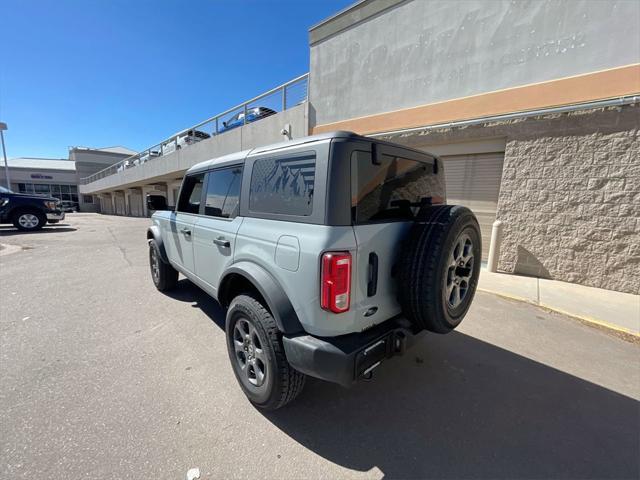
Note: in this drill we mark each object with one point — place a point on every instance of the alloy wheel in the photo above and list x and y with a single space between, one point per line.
249 354
459 271
155 265
28 220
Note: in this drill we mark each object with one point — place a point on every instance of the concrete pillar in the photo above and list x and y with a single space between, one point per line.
113 203
145 191
494 246
171 186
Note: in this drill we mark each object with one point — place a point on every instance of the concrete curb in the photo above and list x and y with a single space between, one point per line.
616 311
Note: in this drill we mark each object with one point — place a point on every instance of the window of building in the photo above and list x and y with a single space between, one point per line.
67 193
87 199
391 190
283 185
191 194
223 192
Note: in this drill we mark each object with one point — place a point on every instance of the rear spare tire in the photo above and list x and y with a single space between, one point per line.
439 269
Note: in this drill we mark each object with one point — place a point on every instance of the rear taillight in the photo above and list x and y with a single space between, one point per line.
335 281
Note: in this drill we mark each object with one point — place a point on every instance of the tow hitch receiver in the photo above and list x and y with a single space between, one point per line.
370 357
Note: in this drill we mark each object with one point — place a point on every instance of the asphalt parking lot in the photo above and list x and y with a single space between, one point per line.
104 377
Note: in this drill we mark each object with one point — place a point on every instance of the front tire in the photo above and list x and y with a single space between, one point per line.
257 355
28 220
164 276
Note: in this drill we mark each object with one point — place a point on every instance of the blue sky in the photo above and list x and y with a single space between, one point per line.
116 72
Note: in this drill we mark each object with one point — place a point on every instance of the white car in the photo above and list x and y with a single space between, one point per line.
144 157
184 139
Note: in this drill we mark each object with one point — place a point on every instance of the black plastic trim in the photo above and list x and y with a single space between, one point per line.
372 284
273 293
345 359
153 232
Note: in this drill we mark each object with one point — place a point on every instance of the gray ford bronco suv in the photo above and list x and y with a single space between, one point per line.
330 253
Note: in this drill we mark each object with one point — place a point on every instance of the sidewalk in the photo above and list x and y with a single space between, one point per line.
619 311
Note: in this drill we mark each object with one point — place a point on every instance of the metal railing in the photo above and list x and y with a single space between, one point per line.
278 99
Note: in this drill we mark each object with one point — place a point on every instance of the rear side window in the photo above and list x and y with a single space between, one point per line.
223 192
283 185
191 194
390 191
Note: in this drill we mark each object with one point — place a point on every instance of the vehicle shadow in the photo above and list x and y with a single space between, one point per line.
11 231
186 291
457 407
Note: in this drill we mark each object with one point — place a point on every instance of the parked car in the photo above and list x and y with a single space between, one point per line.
68 206
146 156
28 212
183 140
329 253
253 114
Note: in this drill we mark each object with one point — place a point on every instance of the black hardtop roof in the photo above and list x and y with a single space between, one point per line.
338 134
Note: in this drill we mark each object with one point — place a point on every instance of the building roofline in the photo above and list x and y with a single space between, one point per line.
347 17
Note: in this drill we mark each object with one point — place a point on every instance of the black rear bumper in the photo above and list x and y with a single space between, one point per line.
347 358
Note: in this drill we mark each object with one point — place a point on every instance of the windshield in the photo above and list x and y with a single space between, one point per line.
5 190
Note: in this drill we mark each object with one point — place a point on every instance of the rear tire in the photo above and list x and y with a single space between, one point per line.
440 267
29 220
164 276
257 355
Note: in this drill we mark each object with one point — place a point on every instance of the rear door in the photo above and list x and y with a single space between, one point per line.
385 198
215 230
179 229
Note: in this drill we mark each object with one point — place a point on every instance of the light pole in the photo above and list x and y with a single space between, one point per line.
3 127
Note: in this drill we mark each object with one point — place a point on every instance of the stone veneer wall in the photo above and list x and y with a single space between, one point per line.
570 200
570 194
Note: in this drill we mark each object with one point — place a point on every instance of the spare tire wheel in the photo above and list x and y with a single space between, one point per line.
439 269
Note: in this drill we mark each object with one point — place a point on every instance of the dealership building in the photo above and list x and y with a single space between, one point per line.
534 108
59 177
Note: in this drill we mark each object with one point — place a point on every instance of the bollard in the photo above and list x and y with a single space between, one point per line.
494 246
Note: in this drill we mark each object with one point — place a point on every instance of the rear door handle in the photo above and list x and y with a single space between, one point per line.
221 242
186 231
372 284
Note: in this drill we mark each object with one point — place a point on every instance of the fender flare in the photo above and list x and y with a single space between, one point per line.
153 233
277 301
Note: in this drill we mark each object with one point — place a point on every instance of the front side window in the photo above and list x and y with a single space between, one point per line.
283 185
394 189
223 192
191 194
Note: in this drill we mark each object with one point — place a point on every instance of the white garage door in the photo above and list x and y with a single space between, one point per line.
120 204
135 205
474 181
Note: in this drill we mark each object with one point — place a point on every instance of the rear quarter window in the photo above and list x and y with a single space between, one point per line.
392 190
283 185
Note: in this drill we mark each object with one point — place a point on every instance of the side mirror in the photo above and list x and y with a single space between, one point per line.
156 202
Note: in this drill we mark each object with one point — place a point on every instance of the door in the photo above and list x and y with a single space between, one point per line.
474 181
135 204
180 227
120 204
215 231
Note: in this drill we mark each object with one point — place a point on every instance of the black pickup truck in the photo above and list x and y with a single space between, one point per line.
28 212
